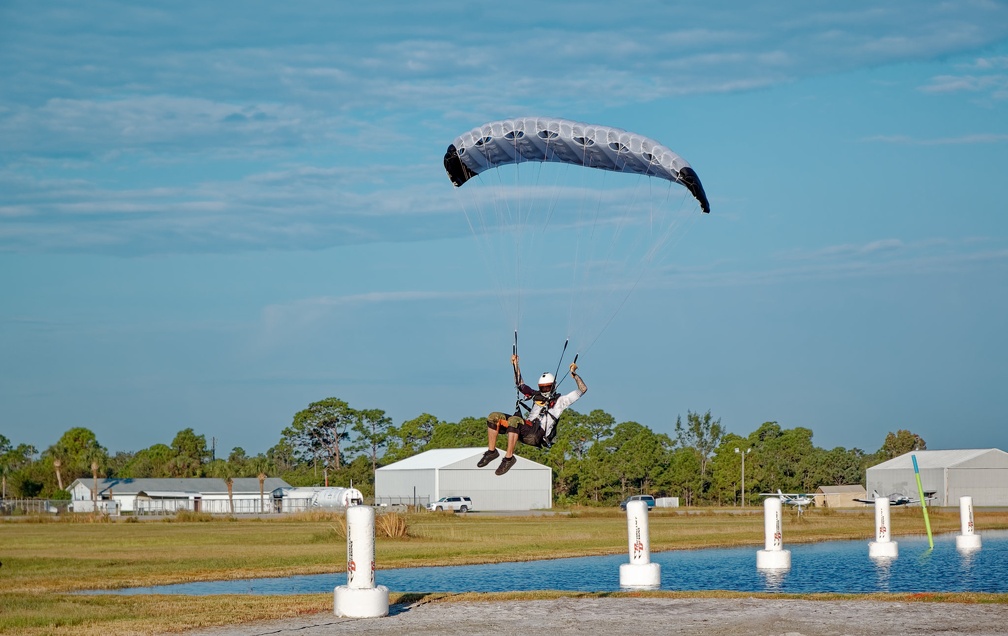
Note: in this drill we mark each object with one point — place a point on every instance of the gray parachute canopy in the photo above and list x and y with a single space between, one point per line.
561 140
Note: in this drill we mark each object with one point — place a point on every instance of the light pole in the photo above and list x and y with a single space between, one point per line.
743 454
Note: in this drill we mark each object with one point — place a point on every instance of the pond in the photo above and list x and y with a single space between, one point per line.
836 566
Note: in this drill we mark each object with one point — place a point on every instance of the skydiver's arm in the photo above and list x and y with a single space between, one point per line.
581 385
517 370
523 388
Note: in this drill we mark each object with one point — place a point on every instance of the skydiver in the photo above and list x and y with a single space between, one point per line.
539 427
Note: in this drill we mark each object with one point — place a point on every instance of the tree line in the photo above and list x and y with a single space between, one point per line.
595 460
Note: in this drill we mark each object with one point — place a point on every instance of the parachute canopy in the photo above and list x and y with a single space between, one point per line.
512 141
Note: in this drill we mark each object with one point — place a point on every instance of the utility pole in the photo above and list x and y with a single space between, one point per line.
743 454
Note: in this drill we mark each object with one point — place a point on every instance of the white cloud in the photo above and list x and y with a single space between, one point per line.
275 96
881 257
978 138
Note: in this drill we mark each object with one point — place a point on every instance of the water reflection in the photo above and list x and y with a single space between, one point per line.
839 566
773 580
883 572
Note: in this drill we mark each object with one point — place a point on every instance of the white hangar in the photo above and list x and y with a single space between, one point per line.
979 473
447 472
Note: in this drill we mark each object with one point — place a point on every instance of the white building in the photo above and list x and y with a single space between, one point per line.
979 473
316 497
449 472
169 495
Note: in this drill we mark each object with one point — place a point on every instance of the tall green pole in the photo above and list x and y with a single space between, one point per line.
920 491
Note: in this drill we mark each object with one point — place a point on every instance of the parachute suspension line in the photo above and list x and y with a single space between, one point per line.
516 226
568 370
559 362
519 398
596 290
656 247
671 234
504 229
659 239
555 197
481 232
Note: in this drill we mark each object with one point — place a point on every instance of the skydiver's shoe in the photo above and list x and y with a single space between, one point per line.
488 457
506 465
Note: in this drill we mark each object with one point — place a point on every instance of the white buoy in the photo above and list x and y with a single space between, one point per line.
360 598
640 572
883 546
969 539
773 556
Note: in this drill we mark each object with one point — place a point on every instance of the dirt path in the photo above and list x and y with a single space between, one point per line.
652 617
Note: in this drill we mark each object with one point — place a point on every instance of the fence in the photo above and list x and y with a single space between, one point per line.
416 502
34 506
169 506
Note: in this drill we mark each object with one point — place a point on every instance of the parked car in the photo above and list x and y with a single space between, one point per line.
458 504
648 499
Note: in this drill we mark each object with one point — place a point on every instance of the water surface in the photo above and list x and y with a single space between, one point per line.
836 566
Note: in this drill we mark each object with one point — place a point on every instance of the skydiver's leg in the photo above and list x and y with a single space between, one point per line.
494 422
514 423
512 440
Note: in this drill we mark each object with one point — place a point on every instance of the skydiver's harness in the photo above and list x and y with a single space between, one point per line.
546 402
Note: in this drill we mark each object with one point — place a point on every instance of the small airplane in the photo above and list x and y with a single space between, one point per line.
896 498
798 500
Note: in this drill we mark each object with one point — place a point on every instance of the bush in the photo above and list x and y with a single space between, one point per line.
392 525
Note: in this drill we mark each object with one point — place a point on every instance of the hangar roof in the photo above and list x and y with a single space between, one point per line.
962 458
453 458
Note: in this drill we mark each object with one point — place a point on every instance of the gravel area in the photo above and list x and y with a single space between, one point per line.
651 616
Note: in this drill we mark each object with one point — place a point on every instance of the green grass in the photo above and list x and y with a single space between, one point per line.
44 562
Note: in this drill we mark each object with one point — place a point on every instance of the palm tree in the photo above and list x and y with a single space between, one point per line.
230 484
94 491
262 482
59 476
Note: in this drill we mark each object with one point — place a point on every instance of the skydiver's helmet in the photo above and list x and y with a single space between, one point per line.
547 383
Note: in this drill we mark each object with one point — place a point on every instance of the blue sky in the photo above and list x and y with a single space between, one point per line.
213 214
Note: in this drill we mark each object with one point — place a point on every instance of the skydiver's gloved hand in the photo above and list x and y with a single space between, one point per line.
573 368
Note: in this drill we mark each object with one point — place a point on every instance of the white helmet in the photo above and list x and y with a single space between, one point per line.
546 383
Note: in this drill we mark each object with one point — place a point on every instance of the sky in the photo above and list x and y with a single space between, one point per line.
214 214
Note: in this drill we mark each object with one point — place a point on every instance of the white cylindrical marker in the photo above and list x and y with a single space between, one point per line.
773 556
639 572
883 546
360 598
969 539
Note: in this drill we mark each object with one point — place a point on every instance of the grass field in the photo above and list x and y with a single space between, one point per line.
44 561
